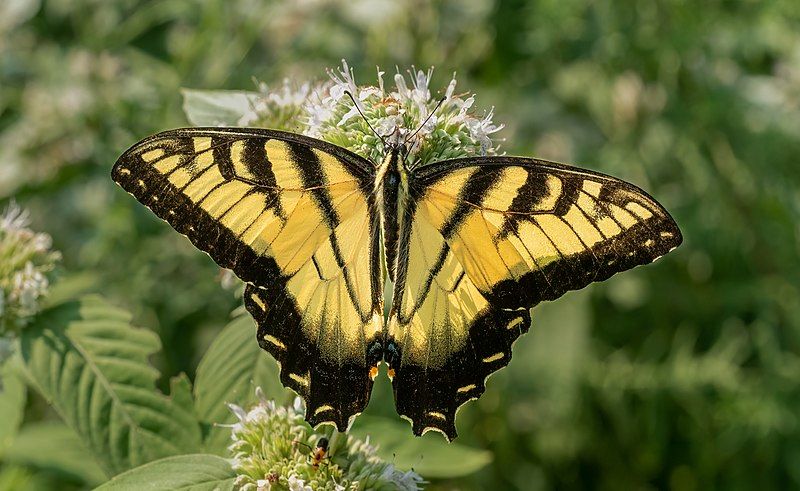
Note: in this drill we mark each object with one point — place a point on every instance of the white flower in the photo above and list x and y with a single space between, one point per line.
480 129
380 80
28 285
343 82
276 108
298 405
297 484
14 219
463 107
289 95
388 125
402 88
421 95
319 110
238 411
25 263
451 88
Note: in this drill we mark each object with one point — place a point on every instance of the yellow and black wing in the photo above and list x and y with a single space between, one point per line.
481 242
294 218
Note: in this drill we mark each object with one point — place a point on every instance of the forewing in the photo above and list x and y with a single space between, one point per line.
293 217
488 239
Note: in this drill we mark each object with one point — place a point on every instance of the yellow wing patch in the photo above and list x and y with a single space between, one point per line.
526 218
437 298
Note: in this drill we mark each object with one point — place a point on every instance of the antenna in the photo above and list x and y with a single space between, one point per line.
364 117
412 135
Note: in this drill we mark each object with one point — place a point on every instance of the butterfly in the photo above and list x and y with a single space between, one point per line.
470 245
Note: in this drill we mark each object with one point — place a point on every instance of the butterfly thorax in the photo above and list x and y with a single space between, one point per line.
390 183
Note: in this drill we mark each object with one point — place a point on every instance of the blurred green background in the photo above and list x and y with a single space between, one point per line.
681 375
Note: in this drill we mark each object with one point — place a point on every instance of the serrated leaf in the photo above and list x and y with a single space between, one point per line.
185 472
217 107
53 446
12 403
180 389
230 370
429 455
92 366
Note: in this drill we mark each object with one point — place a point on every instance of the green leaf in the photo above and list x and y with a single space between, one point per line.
71 286
228 373
180 388
53 446
184 472
217 107
16 478
429 455
12 403
91 365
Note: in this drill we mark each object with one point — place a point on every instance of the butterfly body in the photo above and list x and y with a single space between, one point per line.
391 184
470 245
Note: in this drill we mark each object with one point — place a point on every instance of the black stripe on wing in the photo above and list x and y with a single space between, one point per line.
153 189
150 171
590 233
637 244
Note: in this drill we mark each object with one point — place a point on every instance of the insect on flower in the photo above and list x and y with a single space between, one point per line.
318 453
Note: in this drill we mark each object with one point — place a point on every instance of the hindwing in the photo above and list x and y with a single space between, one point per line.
484 240
294 218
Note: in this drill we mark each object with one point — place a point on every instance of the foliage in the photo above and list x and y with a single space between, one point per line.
104 387
230 370
683 375
91 365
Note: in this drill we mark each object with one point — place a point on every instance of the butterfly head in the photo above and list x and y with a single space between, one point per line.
396 144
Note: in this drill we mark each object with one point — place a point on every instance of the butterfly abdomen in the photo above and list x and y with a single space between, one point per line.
388 185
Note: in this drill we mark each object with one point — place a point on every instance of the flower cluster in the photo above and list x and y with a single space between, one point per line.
433 126
408 113
272 451
26 260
